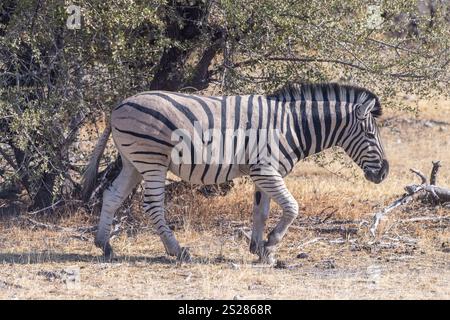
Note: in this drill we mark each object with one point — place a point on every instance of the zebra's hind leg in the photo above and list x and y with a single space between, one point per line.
261 205
113 197
270 181
154 189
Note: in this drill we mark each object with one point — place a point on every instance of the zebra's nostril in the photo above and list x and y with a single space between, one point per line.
384 169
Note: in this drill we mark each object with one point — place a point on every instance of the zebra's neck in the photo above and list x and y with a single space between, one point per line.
316 125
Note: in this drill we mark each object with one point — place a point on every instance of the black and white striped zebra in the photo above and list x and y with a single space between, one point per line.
307 119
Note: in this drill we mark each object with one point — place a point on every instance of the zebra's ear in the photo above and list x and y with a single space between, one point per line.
363 110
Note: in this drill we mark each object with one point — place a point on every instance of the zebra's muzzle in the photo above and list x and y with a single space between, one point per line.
376 176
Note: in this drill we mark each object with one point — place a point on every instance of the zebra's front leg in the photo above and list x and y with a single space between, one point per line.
113 197
154 189
261 205
273 185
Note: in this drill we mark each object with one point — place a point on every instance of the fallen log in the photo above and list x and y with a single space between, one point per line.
426 191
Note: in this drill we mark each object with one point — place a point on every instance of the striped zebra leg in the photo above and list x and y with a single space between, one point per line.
271 182
261 205
113 197
154 190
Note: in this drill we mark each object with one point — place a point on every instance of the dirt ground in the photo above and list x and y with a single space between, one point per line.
328 252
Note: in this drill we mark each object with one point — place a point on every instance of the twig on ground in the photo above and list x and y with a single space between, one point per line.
46 226
403 239
310 242
328 215
380 214
438 194
244 233
422 219
80 230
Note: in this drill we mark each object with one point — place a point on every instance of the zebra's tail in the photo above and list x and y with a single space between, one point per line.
90 174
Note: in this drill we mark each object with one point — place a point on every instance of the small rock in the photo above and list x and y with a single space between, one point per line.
238 297
71 277
280 264
6 285
220 258
327 264
235 266
302 255
49 275
408 97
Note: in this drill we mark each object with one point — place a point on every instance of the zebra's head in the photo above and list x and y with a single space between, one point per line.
364 142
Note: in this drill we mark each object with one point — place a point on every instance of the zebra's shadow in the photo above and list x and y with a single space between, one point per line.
36 257
58 257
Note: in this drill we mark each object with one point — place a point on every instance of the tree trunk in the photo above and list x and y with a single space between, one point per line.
44 195
170 73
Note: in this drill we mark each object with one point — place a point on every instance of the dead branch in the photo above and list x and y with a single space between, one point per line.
432 219
46 226
52 207
244 233
336 229
440 194
58 204
420 174
427 192
301 245
343 230
434 171
380 214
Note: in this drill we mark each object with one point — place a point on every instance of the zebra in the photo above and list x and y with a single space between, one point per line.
308 117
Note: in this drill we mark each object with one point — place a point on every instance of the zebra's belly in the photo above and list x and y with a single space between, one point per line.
203 174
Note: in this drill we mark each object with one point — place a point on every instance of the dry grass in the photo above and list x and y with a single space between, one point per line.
409 260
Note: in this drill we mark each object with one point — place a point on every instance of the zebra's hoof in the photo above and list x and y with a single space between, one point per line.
184 255
267 259
255 247
108 252
266 255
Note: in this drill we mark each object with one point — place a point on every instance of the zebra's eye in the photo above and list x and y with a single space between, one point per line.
370 135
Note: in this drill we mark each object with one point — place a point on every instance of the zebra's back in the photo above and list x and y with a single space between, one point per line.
147 127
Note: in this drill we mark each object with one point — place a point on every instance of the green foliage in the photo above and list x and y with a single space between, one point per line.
407 52
53 77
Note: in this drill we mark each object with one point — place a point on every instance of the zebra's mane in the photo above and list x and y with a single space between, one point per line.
326 91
